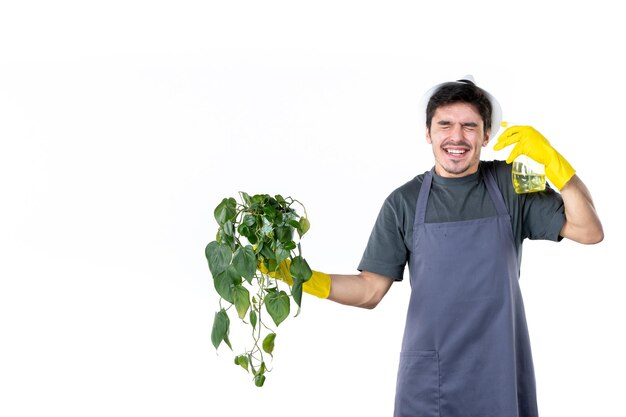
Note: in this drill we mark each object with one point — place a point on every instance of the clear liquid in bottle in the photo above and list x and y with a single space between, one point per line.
528 175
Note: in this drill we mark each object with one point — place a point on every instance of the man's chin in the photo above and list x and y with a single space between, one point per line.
457 170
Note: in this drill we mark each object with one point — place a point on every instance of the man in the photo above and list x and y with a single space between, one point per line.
460 228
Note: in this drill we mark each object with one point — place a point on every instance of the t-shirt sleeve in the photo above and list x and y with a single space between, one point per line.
535 216
386 252
544 215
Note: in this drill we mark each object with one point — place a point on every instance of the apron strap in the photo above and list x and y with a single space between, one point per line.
494 192
422 199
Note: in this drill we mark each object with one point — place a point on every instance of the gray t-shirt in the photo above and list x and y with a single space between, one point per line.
533 215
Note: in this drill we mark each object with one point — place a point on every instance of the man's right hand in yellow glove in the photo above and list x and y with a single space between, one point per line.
318 285
532 143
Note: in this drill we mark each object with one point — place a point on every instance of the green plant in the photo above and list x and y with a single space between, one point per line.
254 235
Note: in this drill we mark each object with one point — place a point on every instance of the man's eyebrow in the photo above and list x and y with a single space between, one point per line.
469 124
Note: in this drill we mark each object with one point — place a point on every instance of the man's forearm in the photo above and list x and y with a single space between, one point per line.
363 290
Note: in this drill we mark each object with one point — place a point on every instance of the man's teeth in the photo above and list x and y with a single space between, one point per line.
455 151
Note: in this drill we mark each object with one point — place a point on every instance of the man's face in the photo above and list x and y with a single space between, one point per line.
456 135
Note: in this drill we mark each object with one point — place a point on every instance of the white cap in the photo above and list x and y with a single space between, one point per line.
496 110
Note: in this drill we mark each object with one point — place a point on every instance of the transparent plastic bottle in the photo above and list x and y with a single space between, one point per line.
529 176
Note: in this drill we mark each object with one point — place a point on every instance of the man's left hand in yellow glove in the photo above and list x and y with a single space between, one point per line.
532 143
581 220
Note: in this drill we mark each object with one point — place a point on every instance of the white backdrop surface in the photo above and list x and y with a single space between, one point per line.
124 123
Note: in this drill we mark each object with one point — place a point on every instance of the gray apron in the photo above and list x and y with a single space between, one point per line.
465 351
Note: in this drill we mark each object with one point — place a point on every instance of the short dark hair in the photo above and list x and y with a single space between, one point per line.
461 91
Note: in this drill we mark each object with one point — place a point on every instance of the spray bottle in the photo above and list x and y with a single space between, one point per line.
528 175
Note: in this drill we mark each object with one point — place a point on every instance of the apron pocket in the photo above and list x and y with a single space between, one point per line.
417 389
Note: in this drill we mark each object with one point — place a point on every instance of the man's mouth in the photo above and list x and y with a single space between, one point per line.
455 152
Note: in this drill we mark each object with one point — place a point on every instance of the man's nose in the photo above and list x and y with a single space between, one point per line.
456 131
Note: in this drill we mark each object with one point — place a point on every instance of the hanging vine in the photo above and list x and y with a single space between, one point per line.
256 239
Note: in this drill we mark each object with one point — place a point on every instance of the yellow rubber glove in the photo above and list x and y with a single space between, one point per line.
318 285
532 143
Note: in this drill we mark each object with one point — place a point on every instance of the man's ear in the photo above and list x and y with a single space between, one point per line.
428 139
487 137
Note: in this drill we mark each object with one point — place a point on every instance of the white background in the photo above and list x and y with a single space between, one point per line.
124 123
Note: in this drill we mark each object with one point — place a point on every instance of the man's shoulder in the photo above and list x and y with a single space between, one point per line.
408 190
501 170
496 166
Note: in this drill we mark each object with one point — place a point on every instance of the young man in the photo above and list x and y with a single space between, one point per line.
460 228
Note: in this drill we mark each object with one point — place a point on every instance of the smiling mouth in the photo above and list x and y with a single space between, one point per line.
455 152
